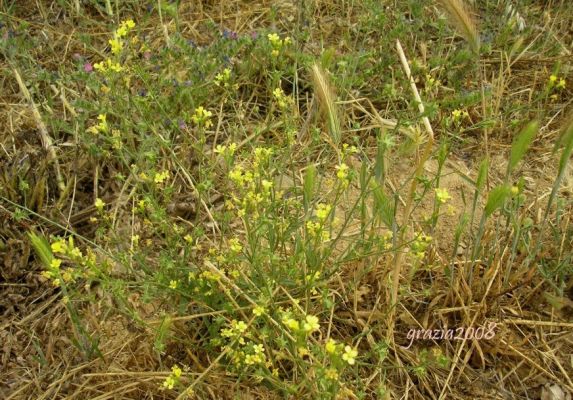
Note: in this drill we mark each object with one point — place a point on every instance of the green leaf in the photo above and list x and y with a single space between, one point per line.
521 144
42 248
482 174
383 206
308 185
496 198
567 141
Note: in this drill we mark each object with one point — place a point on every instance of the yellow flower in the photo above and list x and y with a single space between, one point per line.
55 264
350 355
173 284
121 31
273 38
330 346
176 371
514 190
258 311
220 149
259 349
331 374
292 324
223 78
342 171
160 177
129 23
169 382
235 245
99 204
202 117
108 65
59 246
116 45
311 324
322 211
303 351
67 276
442 195
561 84
552 78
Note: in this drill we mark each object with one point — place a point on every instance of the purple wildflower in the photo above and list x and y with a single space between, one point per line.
227 34
88 67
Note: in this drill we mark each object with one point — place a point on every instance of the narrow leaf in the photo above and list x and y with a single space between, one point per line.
521 144
308 185
383 206
42 248
496 198
482 174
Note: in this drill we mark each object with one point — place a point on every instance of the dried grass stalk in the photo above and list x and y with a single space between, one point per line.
460 17
326 99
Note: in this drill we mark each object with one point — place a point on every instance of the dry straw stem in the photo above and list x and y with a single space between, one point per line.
326 100
461 19
397 268
44 136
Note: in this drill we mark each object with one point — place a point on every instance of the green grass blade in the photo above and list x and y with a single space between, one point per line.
521 144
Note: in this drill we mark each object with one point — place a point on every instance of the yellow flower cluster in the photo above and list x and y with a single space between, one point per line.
116 44
99 204
283 101
124 28
342 173
108 65
67 249
323 211
173 377
442 195
333 348
235 245
254 191
226 151
420 245
319 228
309 325
458 115
277 43
556 82
246 353
202 117
223 78
386 240
316 229
160 177
101 127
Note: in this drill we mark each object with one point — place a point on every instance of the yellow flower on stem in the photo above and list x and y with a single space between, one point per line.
442 195
99 204
350 355
116 45
330 346
311 324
